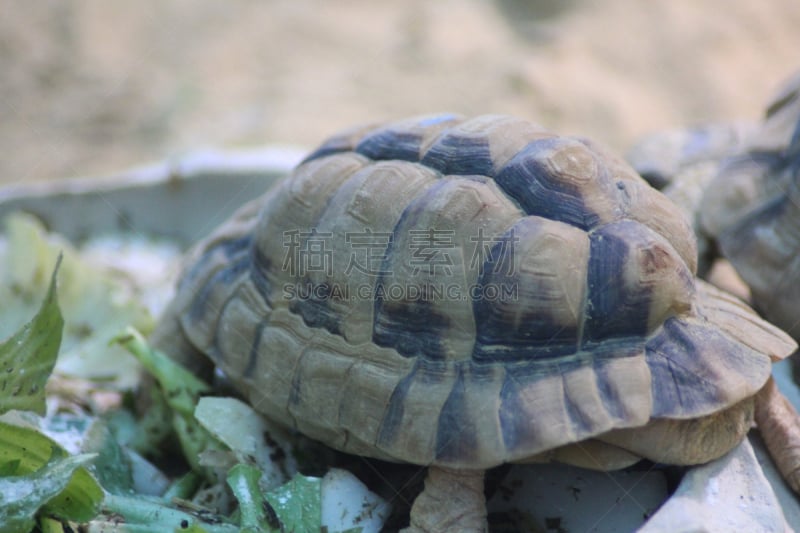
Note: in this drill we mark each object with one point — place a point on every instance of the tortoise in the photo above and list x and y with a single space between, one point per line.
752 209
739 185
462 293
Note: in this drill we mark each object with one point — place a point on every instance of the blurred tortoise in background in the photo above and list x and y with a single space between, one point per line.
465 293
739 184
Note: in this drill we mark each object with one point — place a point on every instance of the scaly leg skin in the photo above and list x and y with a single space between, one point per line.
779 425
453 500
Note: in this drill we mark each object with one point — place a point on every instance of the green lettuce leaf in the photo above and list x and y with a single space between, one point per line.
63 487
28 357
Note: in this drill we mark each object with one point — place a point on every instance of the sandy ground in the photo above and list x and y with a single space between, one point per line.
88 87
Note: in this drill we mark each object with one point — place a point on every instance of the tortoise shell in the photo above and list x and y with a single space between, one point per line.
466 293
752 208
759 171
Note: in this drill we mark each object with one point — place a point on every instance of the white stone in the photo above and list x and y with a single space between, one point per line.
347 504
729 494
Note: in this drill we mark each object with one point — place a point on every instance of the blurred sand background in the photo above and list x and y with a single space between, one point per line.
88 87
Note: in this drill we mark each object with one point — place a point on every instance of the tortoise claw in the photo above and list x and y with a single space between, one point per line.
779 425
453 500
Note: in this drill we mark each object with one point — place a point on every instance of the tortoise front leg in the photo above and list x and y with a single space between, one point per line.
453 500
779 425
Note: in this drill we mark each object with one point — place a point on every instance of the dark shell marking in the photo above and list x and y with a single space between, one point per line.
601 327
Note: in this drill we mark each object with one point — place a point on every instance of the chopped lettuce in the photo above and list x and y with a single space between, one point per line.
63 463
